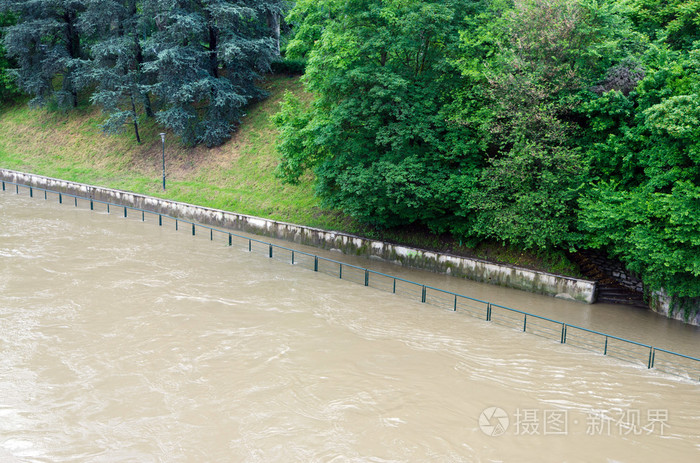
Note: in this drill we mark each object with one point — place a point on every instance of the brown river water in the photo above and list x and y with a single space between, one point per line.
123 341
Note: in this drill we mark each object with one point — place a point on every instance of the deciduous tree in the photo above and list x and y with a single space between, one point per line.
378 132
526 64
645 206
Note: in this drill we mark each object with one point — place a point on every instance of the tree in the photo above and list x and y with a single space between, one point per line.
655 234
676 22
208 55
309 18
377 133
527 64
46 43
644 207
8 89
117 65
274 12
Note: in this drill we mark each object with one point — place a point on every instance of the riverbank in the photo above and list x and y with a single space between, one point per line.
473 269
237 176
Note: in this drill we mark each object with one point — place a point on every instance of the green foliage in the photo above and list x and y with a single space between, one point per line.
290 67
209 53
308 19
655 234
526 64
200 59
651 136
377 132
117 62
528 197
646 208
46 44
676 22
8 88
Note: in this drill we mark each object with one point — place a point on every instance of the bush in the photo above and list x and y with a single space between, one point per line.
290 67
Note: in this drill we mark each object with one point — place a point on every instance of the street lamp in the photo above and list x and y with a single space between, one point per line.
162 139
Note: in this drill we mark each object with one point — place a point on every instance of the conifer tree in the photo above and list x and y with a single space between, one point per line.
116 28
46 43
8 89
209 54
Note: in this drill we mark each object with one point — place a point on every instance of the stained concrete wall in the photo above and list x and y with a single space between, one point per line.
473 269
688 312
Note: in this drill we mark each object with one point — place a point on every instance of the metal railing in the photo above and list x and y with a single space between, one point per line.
564 333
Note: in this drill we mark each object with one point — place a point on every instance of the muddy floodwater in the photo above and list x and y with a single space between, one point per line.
123 341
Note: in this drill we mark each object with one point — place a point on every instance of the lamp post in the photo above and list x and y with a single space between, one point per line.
162 139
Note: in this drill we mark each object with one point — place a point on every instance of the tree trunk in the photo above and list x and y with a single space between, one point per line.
273 21
213 59
139 63
73 48
135 119
147 104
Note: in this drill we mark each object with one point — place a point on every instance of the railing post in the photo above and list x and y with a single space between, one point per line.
211 234
605 352
394 290
315 263
45 195
160 220
340 272
229 239
423 295
488 311
292 257
60 198
107 208
143 216
563 333
3 185
16 188
270 250
176 225
366 277
652 351
250 245
92 205
192 229
31 193
124 211
525 323
76 201
455 307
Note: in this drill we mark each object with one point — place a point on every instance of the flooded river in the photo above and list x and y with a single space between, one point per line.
124 341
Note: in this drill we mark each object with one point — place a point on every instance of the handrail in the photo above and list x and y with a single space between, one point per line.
424 288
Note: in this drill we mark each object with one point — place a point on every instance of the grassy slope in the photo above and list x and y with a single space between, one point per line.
237 176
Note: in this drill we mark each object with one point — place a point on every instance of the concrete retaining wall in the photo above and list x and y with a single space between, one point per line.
474 269
687 311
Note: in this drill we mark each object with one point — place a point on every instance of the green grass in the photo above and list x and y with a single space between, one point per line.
238 176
